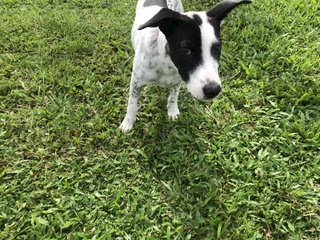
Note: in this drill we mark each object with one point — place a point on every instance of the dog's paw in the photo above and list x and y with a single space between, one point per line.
173 113
126 126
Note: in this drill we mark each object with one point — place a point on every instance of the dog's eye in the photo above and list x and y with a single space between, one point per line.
215 50
185 50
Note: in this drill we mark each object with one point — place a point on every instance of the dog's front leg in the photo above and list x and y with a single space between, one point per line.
173 110
132 108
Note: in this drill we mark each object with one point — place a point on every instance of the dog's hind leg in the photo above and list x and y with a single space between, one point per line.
173 110
132 108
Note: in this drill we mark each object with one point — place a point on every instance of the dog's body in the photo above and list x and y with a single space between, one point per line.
171 46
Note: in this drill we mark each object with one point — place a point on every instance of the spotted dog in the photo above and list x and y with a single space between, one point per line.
173 47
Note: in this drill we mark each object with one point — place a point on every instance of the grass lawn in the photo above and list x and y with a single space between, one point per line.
244 166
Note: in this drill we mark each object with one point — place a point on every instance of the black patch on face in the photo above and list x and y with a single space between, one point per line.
185 51
161 3
216 47
197 18
216 50
216 27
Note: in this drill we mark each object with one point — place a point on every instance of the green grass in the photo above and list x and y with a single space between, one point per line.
244 166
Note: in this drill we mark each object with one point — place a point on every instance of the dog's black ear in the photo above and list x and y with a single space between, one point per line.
221 10
166 19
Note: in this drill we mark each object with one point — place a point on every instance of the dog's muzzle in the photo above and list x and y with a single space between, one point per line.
211 90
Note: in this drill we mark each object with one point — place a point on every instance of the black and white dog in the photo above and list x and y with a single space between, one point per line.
171 46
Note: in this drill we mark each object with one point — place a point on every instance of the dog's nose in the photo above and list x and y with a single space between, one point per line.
211 90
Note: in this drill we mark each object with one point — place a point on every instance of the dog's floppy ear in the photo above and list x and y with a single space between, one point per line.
221 10
166 19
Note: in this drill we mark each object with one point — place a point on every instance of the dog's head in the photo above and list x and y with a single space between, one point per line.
195 45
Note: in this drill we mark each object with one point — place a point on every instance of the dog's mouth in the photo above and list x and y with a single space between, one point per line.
207 99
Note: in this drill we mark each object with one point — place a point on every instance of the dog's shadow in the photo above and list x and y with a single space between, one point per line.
179 159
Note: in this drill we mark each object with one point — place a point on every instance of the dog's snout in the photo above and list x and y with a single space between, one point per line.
211 90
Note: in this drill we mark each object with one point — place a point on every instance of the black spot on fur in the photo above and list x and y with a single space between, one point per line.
197 18
154 42
135 90
167 50
152 64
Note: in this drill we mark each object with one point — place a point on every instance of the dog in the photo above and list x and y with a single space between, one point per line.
173 47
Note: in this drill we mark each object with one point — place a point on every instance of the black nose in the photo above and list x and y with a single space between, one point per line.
211 90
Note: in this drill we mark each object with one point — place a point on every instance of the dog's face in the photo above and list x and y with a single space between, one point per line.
195 46
195 49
